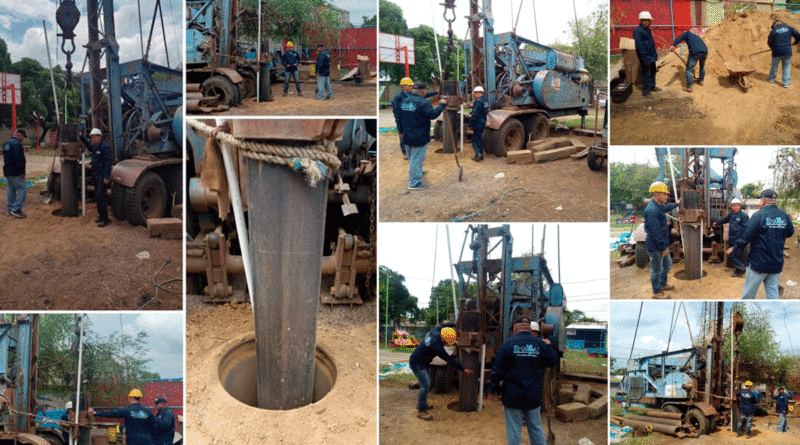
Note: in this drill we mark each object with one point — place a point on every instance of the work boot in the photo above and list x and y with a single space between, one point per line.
300 94
428 407
647 95
285 94
102 223
414 385
668 287
688 89
700 83
98 220
424 416
660 296
656 89
18 214
405 157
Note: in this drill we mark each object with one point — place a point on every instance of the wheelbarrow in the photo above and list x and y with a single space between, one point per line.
738 72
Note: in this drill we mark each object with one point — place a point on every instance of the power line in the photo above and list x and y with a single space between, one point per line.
587 281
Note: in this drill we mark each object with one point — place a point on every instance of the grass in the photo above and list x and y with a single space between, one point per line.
49 152
580 362
36 180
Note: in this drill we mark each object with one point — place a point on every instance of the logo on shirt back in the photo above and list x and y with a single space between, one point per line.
408 106
776 223
138 414
526 351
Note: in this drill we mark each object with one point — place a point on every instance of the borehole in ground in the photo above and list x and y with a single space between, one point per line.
237 373
681 275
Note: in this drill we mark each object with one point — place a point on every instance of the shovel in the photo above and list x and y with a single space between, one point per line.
47 197
760 52
551 438
455 152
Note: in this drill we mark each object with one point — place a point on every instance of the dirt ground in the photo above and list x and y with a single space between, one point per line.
52 263
346 415
349 99
570 184
719 112
762 433
632 282
399 424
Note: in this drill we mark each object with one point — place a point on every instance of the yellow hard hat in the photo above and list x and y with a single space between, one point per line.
135 392
449 335
407 81
748 383
658 186
289 43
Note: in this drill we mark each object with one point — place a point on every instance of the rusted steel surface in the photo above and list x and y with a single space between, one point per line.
192 88
308 130
666 429
495 118
664 414
660 420
126 172
230 74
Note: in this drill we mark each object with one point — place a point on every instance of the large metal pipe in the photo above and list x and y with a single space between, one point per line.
659 420
287 220
666 429
664 414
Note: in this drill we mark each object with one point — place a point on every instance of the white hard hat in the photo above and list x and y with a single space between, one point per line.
736 201
96 131
535 326
68 405
645 15
478 89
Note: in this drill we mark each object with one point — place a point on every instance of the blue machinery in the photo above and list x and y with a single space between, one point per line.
506 288
18 358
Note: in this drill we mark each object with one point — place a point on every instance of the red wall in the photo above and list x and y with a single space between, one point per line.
625 17
354 41
171 389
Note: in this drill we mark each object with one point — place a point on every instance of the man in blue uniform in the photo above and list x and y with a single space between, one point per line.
14 171
781 407
289 60
738 221
323 69
68 416
478 122
406 85
698 51
432 346
747 402
766 232
101 172
780 40
164 432
657 241
646 50
139 421
416 115
520 363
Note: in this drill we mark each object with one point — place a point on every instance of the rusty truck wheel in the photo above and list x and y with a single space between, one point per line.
699 422
147 199
249 80
224 89
118 201
537 127
488 136
510 137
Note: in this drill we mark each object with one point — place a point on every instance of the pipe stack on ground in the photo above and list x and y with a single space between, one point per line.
664 415
652 422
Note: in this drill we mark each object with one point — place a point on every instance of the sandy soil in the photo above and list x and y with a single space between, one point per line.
632 282
719 112
349 99
399 424
581 192
762 433
346 415
54 263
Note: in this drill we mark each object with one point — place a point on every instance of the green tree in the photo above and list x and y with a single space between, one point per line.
591 42
394 295
751 190
304 22
630 183
787 178
578 316
392 20
370 21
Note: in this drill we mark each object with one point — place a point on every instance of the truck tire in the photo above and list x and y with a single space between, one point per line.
509 137
670 409
488 135
642 259
69 188
118 201
54 185
443 383
699 421
437 131
595 162
222 87
147 199
537 127
248 83
52 437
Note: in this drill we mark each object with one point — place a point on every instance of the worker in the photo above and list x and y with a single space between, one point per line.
101 172
520 364
416 115
780 41
68 416
747 401
737 220
164 431
766 232
431 347
478 122
289 60
781 407
323 68
657 241
406 87
14 171
698 51
139 421
646 50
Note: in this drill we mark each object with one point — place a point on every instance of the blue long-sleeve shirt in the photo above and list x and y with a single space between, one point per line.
479 110
655 225
520 364
697 48
289 60
164 431
738 221
781 402
747 401
139 422
323 65
780 40
398 100
645 45
430 348
766 232
101 159
416 115
13 158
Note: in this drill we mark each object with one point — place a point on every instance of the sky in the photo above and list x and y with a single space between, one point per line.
164 336
552 17
655 323
21 28
358 9
752 163
410 248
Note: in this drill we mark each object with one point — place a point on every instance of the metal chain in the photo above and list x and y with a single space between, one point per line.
449 5
372 239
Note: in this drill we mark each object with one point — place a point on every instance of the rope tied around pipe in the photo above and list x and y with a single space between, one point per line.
316 160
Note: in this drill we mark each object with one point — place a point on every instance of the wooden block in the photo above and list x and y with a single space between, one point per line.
577 143
165 228
581 154
565 394
548 144
552 155
633 69
598 408
177 211
572 412
626 43
583 394
519 157
597 393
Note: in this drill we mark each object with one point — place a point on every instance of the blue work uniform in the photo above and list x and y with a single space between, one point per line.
747 406
780 41
139 423
478 122
646 50
781 407
164 431
416 115
101 169
323 67
698 51
421 359
737 223
657 241
396 102
65 429
289 60
14 171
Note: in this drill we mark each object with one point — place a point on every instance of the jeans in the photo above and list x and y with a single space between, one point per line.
773 71
738 260
659 268
286 81
648 77
402 146
102 199
324 86
514 419
477 141
691 62
782 423
416 159
17 190
424 377
749 418
754 280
